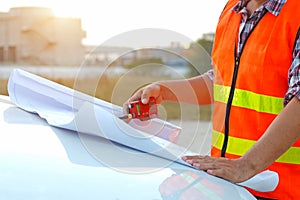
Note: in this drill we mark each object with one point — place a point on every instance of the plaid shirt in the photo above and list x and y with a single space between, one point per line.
247 24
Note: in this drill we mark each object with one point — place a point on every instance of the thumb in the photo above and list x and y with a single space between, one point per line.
148 91
145 98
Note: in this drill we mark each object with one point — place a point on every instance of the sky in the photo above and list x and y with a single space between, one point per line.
108 21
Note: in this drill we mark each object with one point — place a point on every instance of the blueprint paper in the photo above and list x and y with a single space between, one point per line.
66 108
264 182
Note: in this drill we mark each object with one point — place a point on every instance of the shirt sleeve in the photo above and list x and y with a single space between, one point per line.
294 74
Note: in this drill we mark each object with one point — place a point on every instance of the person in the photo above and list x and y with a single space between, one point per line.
255 89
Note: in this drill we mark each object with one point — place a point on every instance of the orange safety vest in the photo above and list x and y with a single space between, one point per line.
249 91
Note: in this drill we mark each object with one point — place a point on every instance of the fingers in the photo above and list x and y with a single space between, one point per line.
143 94
137 95
200 162
206 162
146 95
152 90
230 169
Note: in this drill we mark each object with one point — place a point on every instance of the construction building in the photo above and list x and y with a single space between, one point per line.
34 36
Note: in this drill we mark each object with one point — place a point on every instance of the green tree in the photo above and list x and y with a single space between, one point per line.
206 44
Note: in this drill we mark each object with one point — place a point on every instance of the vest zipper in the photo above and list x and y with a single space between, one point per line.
229 103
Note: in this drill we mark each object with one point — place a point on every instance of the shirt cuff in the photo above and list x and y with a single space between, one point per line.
210 74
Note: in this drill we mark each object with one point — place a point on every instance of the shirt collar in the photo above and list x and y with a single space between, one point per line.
273 6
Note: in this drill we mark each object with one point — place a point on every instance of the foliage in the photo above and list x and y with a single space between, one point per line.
206 44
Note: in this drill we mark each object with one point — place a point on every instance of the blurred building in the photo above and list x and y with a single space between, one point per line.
208 36
34 36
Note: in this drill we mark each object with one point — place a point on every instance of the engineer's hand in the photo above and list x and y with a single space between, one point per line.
152 90
234 170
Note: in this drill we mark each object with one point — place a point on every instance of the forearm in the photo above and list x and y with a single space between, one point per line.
196 90
278 138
